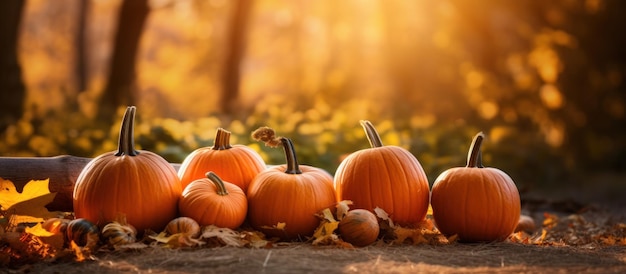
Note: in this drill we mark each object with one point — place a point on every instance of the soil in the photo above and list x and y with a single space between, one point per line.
305 258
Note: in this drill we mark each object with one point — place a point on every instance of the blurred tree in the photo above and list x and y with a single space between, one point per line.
12 90
81 53
236 47
120 86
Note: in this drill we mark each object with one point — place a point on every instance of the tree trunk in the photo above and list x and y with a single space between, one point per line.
62 172
236 48
81 50
120 83
12 90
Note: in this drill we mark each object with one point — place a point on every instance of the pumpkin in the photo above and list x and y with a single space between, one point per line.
136 183
388 177
183 225
526 224
283 200
55 225
119 233
479 204
359 227
82 232
212 201
237 164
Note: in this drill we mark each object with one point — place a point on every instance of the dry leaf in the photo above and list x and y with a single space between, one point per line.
38 230
225 236
254 239
278 226
342 208
178 240
382 214
324 234
28 206
10 196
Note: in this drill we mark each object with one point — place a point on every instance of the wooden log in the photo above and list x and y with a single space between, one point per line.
62 172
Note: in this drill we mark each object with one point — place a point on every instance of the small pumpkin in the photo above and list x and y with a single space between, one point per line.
136 183
479 204
389 177
290 194
359 227
183 225
82 232
55 225
212 201
119 234
237 164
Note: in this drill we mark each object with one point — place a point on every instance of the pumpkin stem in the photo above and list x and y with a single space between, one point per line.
217 181
372 134
222 140
474 157
126 142
290 154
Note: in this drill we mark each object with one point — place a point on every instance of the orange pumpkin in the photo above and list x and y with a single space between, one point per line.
389 177
289 195
359 227
479 204
211 201
138 184
237 164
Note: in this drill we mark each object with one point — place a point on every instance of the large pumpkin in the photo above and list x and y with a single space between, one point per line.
479 204
389 177
139 184
283 200
237 164
212 201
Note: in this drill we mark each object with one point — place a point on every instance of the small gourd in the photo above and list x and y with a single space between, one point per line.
82 232
359 227
119 234
183 225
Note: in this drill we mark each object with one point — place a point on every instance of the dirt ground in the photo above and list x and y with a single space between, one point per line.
304 258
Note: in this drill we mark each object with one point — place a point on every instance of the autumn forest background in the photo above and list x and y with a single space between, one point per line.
545 80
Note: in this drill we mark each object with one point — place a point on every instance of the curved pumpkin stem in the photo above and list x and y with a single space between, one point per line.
290 154
474 157
126 142
372 134
222 140
217 181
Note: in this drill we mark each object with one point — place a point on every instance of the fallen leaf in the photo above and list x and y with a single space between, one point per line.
38 230
226 236
382 214
342 208
324 234
10 196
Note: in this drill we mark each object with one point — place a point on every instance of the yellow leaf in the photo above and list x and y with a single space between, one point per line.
324 232
38 230
34 207
32 189
328 216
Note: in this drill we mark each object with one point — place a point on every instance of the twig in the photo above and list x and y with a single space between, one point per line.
267 258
